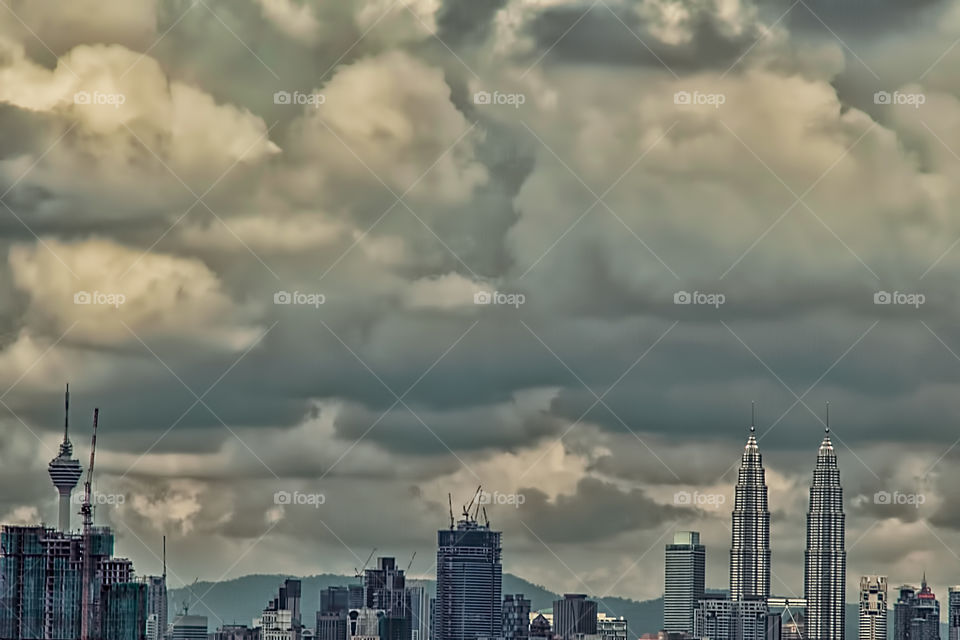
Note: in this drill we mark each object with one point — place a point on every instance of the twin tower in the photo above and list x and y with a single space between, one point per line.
825 557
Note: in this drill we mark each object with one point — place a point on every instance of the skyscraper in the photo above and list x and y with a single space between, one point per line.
516 617
953 613
825 557
873 608
418 610
123 611
384 591
916 614
469 581
750 548
65 470
573 616
684 575
156 605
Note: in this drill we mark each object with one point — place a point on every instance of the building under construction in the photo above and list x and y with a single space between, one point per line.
58 585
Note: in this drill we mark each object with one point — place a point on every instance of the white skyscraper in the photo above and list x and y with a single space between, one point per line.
873 608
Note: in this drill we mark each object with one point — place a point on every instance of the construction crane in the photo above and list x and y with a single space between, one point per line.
410 564
86 510
450 502
468 507
358 573
486 522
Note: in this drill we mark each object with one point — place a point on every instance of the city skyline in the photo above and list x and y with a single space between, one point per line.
324 263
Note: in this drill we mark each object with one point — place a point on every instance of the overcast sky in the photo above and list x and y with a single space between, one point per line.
186 162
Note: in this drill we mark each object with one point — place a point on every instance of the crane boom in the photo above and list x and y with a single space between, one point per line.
86 606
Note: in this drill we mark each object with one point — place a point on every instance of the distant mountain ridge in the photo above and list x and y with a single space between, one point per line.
240 600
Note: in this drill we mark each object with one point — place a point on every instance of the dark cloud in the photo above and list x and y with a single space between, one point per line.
606 36
578 517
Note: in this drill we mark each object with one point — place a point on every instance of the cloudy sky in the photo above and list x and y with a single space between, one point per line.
255 232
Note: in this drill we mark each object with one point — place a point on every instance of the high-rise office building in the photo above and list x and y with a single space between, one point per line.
684 576
916 614
574 615
188 627
336 598
750 548
123 611
280 619
873 608
953 613
418 610
825 570
65 470
516 617
384 590
331 625
469 581
156 605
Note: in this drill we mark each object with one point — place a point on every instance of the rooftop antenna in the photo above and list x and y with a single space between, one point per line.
450 502
66 414
164 560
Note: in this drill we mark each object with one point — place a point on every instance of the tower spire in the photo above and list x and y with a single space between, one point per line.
64 470
753 417
827 426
